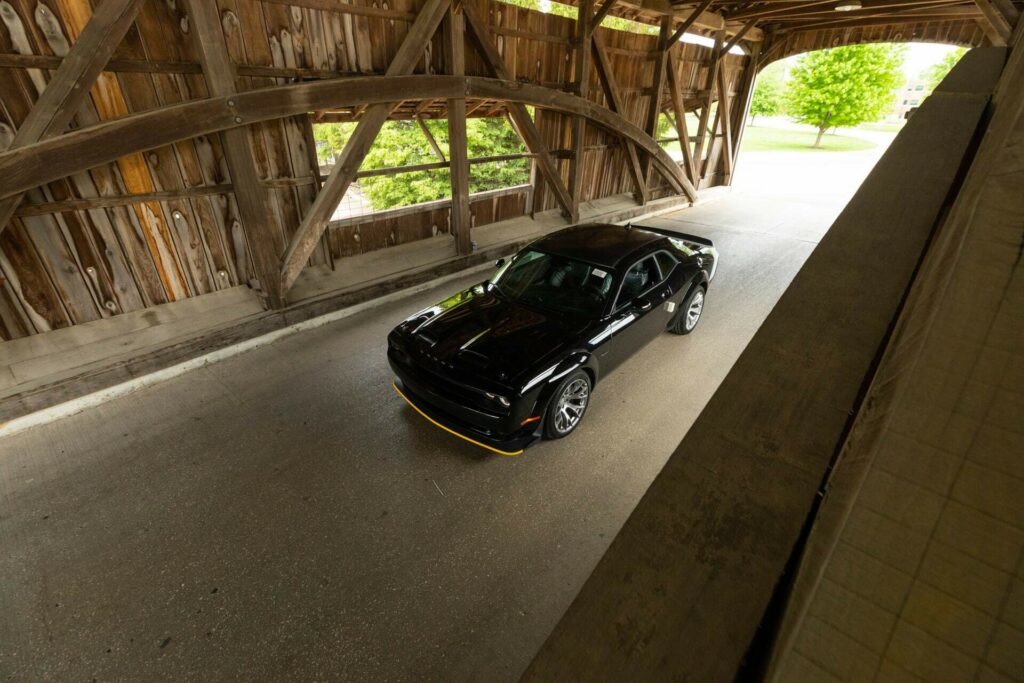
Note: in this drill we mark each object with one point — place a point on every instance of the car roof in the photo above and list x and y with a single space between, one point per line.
602 245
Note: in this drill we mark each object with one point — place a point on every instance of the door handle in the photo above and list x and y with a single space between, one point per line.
644 305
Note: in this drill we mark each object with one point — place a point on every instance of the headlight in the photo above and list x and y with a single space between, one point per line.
500 399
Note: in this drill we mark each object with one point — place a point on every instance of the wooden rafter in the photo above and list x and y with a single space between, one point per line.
70 85
602 13
995 23
265 238
689 21
734 41
313 225
517 111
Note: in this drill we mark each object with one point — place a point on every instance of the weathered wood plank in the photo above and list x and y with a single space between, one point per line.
458 145
262 236
69 87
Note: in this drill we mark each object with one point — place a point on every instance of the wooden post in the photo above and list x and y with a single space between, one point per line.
682 132
313 225
455 57
581 87
725 117
611 91
318 180
705 112
431 140
743 99
654 107
262 233
70 85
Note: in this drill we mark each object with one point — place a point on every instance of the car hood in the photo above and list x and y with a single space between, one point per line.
481 333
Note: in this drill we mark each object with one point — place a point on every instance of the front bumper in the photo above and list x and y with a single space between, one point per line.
469 424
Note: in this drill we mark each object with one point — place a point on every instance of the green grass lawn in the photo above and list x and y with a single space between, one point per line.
763 139
882 127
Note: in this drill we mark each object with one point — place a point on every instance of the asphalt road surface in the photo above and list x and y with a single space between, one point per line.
283 514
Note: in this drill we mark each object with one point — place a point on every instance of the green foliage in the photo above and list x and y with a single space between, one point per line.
330 139
934 74
769 92
402 143
845 86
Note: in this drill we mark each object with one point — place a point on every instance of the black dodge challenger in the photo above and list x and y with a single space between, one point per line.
516 358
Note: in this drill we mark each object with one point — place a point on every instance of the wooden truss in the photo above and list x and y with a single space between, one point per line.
43 151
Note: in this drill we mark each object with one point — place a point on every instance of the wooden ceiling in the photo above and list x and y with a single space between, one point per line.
965 22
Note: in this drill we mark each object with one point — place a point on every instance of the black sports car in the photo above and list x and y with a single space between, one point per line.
517 357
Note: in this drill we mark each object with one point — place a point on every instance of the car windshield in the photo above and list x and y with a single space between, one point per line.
555 283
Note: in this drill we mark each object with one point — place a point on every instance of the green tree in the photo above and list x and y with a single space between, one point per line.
402 143
845 86
769 91
330 139
934 74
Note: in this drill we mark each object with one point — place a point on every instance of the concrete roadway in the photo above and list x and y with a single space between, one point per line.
283 514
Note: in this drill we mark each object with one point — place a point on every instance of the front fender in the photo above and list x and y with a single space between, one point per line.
544 384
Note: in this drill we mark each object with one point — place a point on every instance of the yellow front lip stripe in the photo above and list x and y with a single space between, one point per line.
452 431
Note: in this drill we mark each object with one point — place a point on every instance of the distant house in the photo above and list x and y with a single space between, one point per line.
908 98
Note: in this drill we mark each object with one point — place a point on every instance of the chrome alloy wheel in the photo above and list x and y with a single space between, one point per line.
571 405
693 312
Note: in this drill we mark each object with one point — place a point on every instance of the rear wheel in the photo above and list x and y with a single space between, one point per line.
567 405
691 311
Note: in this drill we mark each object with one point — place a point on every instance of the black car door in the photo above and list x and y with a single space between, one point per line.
638 315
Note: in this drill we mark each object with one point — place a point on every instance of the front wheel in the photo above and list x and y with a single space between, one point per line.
567 405
689 316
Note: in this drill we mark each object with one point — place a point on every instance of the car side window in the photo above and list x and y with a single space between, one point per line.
638 279
667 262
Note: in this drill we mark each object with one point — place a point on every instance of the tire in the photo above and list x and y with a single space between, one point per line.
572 395
690 312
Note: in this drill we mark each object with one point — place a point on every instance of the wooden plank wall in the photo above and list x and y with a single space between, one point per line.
61 268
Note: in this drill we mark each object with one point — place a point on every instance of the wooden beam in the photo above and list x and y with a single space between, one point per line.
431 140
724 116
611 91
998 28
602 13
705 112
739 36
581 87
313 225
458 145
101 143
689 21
262 232
70 85
744 97
680 119
654 105
517 111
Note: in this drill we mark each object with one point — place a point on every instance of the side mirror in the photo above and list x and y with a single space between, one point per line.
499 263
